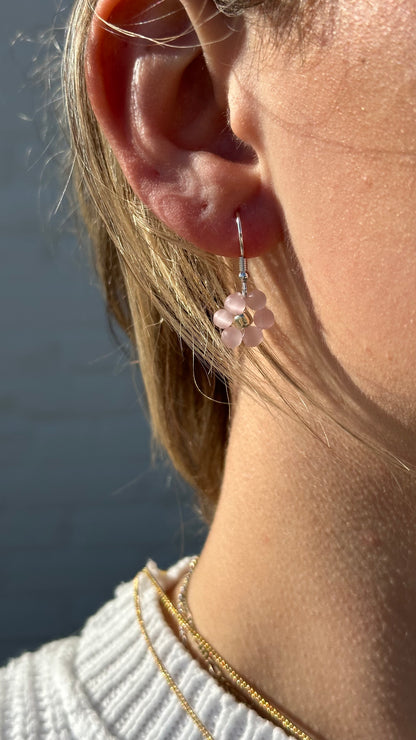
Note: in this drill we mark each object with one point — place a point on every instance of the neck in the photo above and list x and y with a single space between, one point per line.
316 573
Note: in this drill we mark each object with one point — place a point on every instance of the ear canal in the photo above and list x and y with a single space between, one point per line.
165 114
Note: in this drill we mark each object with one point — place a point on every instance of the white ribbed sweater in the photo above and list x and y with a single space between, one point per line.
104 683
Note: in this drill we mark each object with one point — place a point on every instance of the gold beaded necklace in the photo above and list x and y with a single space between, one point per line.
238 685
172 685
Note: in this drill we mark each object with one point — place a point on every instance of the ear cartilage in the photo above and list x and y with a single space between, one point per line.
237 323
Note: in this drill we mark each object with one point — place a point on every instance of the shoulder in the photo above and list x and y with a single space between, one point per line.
51 692
94 684
106 683
28 690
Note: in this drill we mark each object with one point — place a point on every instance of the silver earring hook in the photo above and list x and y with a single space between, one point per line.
236 324
243 274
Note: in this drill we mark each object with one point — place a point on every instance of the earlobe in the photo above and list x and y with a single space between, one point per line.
158 88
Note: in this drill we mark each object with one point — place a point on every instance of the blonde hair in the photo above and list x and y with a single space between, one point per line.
163 292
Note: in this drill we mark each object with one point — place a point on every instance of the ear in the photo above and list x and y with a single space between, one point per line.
158 77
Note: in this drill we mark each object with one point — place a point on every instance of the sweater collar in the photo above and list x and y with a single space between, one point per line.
116 679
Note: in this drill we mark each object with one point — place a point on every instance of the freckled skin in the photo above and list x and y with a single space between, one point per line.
338 138
306 583
311 557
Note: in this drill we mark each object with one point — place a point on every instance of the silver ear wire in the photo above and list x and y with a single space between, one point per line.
235 320
243 274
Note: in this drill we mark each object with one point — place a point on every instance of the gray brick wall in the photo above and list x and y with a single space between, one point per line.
81 507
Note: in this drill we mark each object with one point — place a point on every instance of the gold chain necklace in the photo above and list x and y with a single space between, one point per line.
239 685
172 685
218 665
183 608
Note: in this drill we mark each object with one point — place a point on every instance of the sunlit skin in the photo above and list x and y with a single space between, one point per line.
339 139
316 570
307 582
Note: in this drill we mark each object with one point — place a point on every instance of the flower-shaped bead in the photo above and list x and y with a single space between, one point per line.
238 326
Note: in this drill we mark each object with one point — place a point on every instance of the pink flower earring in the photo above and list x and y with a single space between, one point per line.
236 322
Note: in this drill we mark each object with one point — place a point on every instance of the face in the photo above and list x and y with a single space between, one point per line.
336 133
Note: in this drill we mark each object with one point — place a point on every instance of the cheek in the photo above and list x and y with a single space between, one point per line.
340 138
355 237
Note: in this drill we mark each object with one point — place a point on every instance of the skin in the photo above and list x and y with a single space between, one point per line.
311 559
339 136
